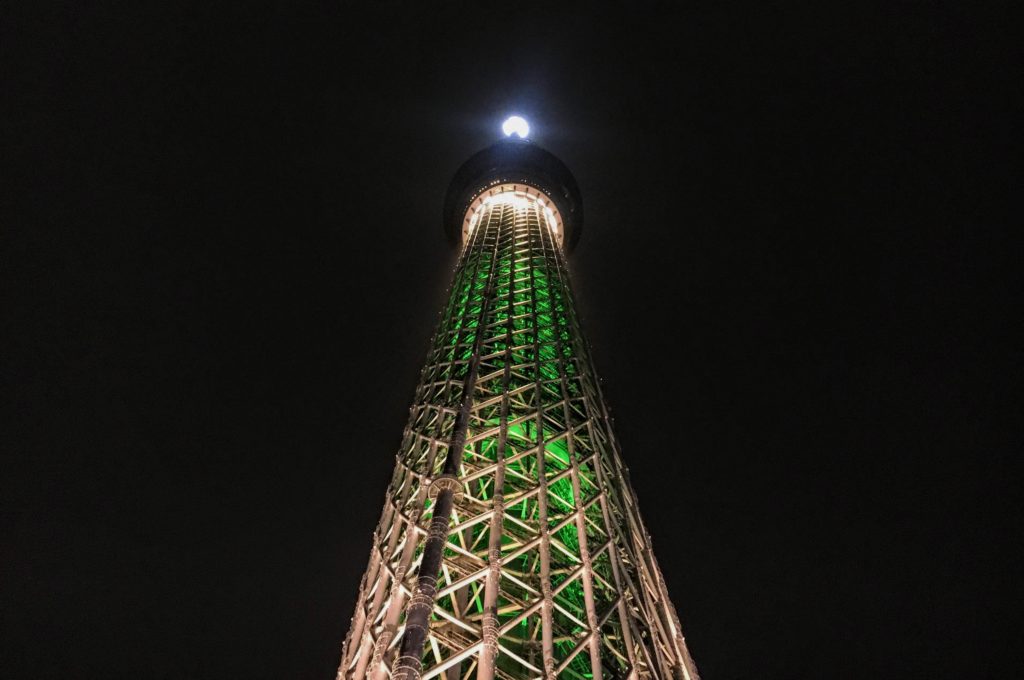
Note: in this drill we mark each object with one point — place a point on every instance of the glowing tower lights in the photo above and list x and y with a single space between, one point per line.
510 544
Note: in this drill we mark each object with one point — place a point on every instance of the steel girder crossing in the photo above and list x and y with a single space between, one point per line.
510 545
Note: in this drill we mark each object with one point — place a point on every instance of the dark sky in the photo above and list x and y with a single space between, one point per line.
227 259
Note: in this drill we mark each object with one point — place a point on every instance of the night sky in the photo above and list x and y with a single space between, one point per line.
224 259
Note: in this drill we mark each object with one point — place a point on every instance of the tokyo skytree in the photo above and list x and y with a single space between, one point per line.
511 544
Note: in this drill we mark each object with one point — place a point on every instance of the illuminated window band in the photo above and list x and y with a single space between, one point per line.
521 197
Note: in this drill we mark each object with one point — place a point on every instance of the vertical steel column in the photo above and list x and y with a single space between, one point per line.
377 666
554 257
489 625
365 640
547 632
417 617
624 620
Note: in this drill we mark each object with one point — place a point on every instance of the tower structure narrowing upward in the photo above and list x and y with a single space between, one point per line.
510 545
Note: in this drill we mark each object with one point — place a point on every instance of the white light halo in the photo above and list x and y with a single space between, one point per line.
522 194
516 125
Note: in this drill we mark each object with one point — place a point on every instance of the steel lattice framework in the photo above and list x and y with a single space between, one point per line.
510 545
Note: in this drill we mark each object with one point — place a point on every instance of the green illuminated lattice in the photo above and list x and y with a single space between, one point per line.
545 553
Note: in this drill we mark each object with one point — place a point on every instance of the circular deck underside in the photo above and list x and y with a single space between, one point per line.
514 162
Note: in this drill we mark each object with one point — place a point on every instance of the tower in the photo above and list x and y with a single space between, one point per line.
510 544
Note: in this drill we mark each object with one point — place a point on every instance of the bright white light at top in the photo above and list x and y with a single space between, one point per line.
515 125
